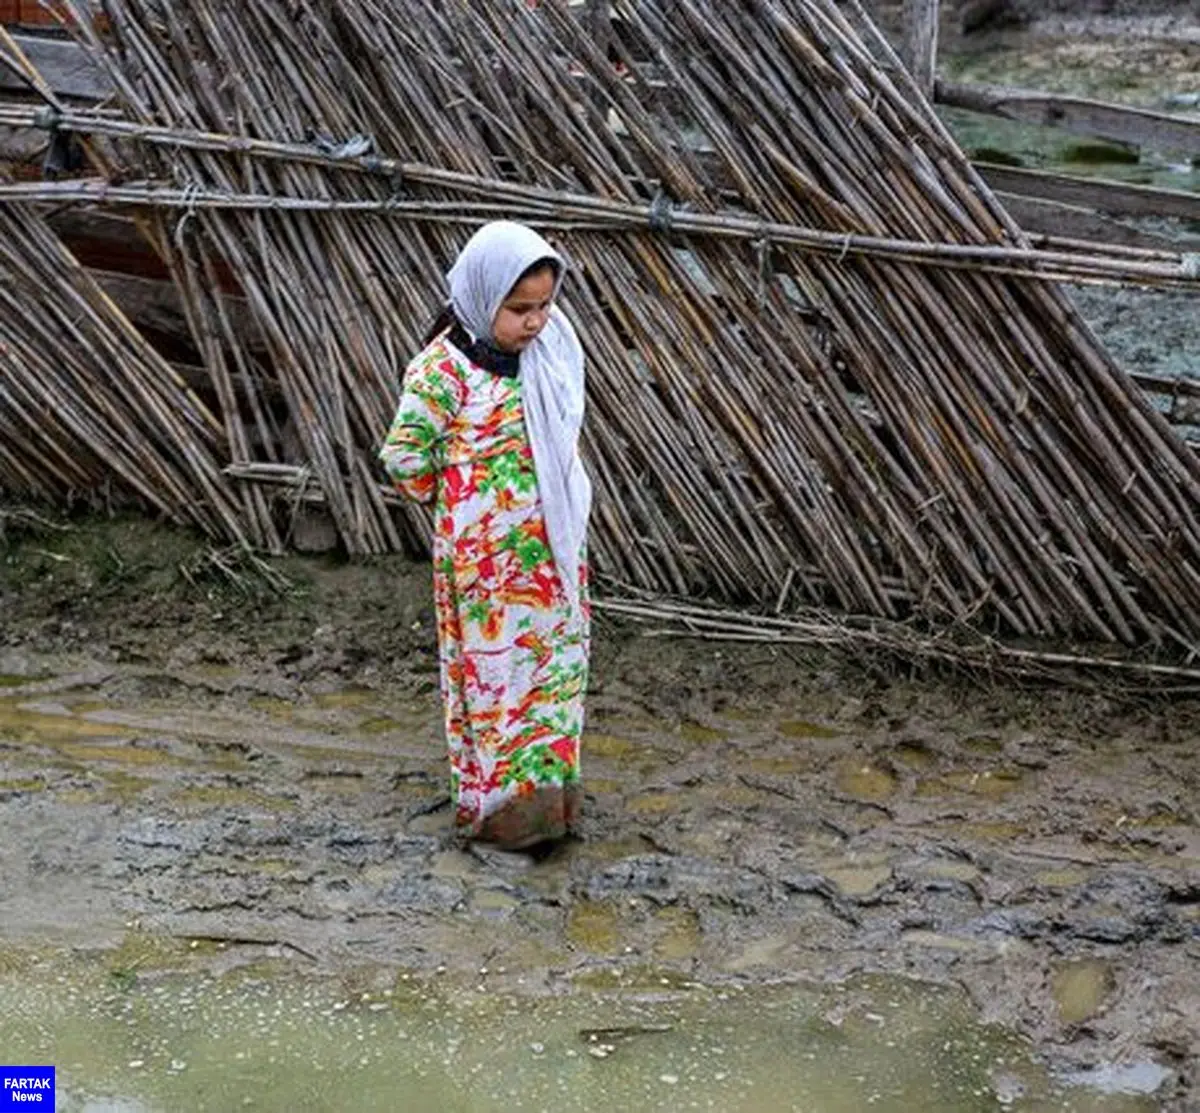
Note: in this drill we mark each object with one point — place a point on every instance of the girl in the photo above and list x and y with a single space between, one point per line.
488 432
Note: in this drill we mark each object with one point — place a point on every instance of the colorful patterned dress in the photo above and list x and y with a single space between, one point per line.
514 650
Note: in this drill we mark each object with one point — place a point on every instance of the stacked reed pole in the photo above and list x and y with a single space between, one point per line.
826 367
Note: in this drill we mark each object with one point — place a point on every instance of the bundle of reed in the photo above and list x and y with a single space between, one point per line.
86 404
881 643
825 365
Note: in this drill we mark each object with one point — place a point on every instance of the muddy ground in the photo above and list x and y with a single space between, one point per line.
183 756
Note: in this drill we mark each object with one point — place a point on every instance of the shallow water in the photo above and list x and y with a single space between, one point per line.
129 1042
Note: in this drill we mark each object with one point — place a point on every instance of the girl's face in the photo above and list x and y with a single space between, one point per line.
524 313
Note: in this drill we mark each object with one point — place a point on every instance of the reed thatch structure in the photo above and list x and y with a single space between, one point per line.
825 366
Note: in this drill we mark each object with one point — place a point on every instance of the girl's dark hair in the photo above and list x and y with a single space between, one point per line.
446 319
549 263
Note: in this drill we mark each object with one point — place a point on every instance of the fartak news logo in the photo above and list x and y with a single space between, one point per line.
30 1088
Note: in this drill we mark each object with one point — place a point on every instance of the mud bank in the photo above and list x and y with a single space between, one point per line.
190 762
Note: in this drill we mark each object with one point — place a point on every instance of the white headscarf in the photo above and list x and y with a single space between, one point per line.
551 374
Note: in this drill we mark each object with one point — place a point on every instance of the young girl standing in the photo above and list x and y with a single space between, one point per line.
488 431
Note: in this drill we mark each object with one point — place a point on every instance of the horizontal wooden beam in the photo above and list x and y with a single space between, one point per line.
105 241
1115 198
1051 218
1170 387
155 304
1136 126
125 264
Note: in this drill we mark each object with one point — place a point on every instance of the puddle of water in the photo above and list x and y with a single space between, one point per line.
91 707
680 939
146 950
1159 819
864 780
993 784
1066 878
608 746
24 722
346 699
202 797
336 755
859 881
382 724
494 902
766 951
23 784
982 745
605 786
991 139
725 795
595 927
624 724
275 707
1000 831
611 850
700 734
123 786
920 937
125 755
195 1043
657 983
1132 1078
1080 988
80 797
914 755
739 717
337 777
652 803
782 766
800 728
950 871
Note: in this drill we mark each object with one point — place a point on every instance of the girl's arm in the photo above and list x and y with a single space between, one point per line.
413 452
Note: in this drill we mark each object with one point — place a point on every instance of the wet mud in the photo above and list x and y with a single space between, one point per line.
191 777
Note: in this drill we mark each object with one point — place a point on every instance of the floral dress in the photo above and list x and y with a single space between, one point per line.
513 646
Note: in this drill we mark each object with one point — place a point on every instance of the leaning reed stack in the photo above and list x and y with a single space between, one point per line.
826 367
86 403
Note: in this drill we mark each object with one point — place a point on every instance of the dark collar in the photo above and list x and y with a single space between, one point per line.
485 355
